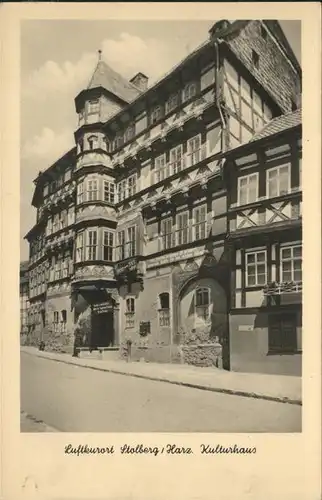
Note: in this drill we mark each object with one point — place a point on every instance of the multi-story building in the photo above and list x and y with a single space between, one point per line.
265 239
130 239
24 297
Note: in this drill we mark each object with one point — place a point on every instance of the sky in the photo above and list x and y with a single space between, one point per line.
57 62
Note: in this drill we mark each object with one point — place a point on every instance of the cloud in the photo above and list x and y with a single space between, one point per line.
48 146
127 55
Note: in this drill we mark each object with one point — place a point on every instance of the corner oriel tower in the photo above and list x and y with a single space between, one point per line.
93 287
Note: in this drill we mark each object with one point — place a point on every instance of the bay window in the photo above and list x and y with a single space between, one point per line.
80 192
291 263
199 222
182 232
80 247
176 159
256 268
109 191
247 189
91 244
166 233
121 245
202 303
278 180
92 190
194 150
108 242
131 243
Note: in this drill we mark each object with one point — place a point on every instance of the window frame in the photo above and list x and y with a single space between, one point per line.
130 312
200 223
172 162
292 259
256 174
203 307
92 194
278 168
90 247
180 230
191 152
166 237
164 312
186 92
256 263
108 191
156 114
169 106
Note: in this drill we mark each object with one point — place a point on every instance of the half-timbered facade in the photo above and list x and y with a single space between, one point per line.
265 240
24 297
135 238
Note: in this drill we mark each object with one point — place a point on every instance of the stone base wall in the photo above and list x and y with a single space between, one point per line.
202 355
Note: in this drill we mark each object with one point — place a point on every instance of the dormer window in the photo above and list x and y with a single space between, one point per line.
189 91
93 142
93 107
156 114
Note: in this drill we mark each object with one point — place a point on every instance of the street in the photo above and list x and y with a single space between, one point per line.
72 398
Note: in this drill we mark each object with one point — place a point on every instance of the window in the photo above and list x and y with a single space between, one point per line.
91 245
80 145
56 321
189 91
129 133
130 313
106 144
255 58
199 222
121 244
193 150
117 142
93 142
67 175
182 228
171 103
156 114
164 309
109 191
80 193
46 189
291 263
202 302
65 267
256 268
63 321
176 159
56 223
131 246
122 190
108 245
92 190
247 189
161 169
49 225
278 181
166 233
131 185
93 106
58 268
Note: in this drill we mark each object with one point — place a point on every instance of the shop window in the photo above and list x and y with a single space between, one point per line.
164 309
130 313
202 302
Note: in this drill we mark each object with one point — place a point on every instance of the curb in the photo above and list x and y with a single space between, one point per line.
232 392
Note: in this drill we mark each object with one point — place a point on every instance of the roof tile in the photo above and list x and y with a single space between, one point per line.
279 124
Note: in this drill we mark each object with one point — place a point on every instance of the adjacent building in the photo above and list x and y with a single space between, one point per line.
265 240
24 298
133 234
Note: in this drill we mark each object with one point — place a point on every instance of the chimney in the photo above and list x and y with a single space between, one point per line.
140 81
218 28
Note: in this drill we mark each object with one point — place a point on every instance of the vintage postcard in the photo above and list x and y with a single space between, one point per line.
161 278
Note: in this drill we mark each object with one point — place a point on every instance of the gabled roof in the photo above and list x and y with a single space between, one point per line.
279 124
113 82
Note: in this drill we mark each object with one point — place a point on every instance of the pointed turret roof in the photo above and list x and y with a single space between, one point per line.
104 76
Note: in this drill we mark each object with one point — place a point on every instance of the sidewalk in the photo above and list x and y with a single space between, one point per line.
280 388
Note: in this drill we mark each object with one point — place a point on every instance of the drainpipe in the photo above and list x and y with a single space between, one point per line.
223 123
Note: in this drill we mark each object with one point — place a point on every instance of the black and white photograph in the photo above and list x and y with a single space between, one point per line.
160 226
